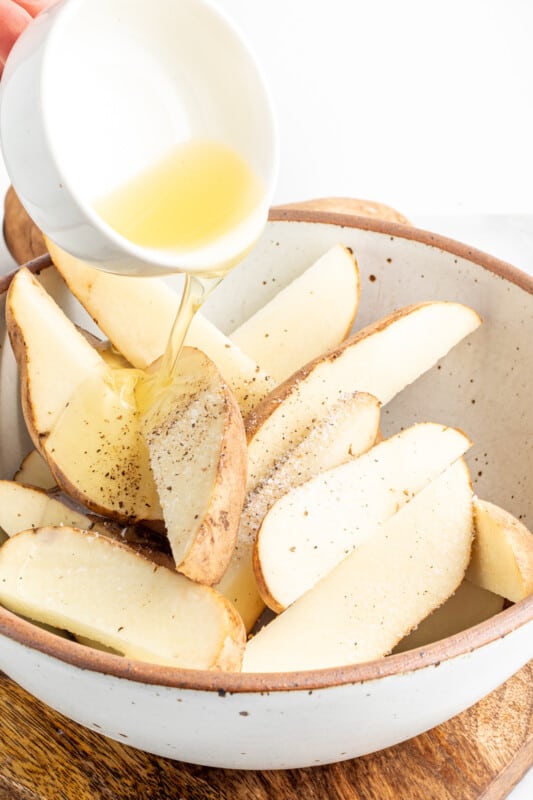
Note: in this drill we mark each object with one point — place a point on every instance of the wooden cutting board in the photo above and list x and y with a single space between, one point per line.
478 755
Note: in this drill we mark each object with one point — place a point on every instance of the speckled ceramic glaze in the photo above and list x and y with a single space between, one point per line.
316 717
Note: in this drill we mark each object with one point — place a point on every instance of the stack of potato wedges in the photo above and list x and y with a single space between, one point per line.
256 478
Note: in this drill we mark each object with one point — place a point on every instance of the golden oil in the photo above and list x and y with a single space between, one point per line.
190 198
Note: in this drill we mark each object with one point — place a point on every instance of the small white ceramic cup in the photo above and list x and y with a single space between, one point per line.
96 90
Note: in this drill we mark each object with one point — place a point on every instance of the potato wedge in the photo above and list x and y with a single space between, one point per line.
99 589
349 430
97 454
94 439
468 606
23 507
34 471
314 526
197 446
42 336
373 360
248 381
80 413
114 301
377 594
23 238
502 554
308 330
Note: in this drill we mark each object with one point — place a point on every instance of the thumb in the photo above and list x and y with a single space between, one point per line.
15 15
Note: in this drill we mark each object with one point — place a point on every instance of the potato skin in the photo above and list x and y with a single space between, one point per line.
350 205
233 644
262 585
210 553
23 238
20 352
260 414
256 418
514 585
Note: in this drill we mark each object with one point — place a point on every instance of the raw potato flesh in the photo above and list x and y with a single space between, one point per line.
101 590
102 454
467 607
54 359
137 314
349 429
111 357
97 454
324 299
23 507
80 413
380 359
248 381
377 594
34 471
502 554
197 446
314 526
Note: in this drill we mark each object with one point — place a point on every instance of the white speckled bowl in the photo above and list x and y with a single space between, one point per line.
316 717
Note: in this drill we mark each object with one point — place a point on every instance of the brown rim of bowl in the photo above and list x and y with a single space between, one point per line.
497 627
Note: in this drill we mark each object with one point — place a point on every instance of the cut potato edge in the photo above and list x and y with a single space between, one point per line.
296 315
34 471
347 429
197 448
76 408
152 300
95 588
381 591
315 525
427 331
502 554
29 308
23 506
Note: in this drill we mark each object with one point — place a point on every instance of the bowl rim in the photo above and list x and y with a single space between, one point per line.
497 627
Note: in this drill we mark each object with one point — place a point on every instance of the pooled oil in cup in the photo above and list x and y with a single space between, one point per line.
140 137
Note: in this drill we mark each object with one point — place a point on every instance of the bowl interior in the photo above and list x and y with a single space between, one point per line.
481 386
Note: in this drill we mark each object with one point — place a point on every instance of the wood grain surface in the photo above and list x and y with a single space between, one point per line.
479 755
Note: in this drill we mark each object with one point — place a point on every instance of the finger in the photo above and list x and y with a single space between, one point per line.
14 19
33 7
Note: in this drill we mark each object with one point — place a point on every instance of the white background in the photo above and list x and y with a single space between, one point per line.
424 105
